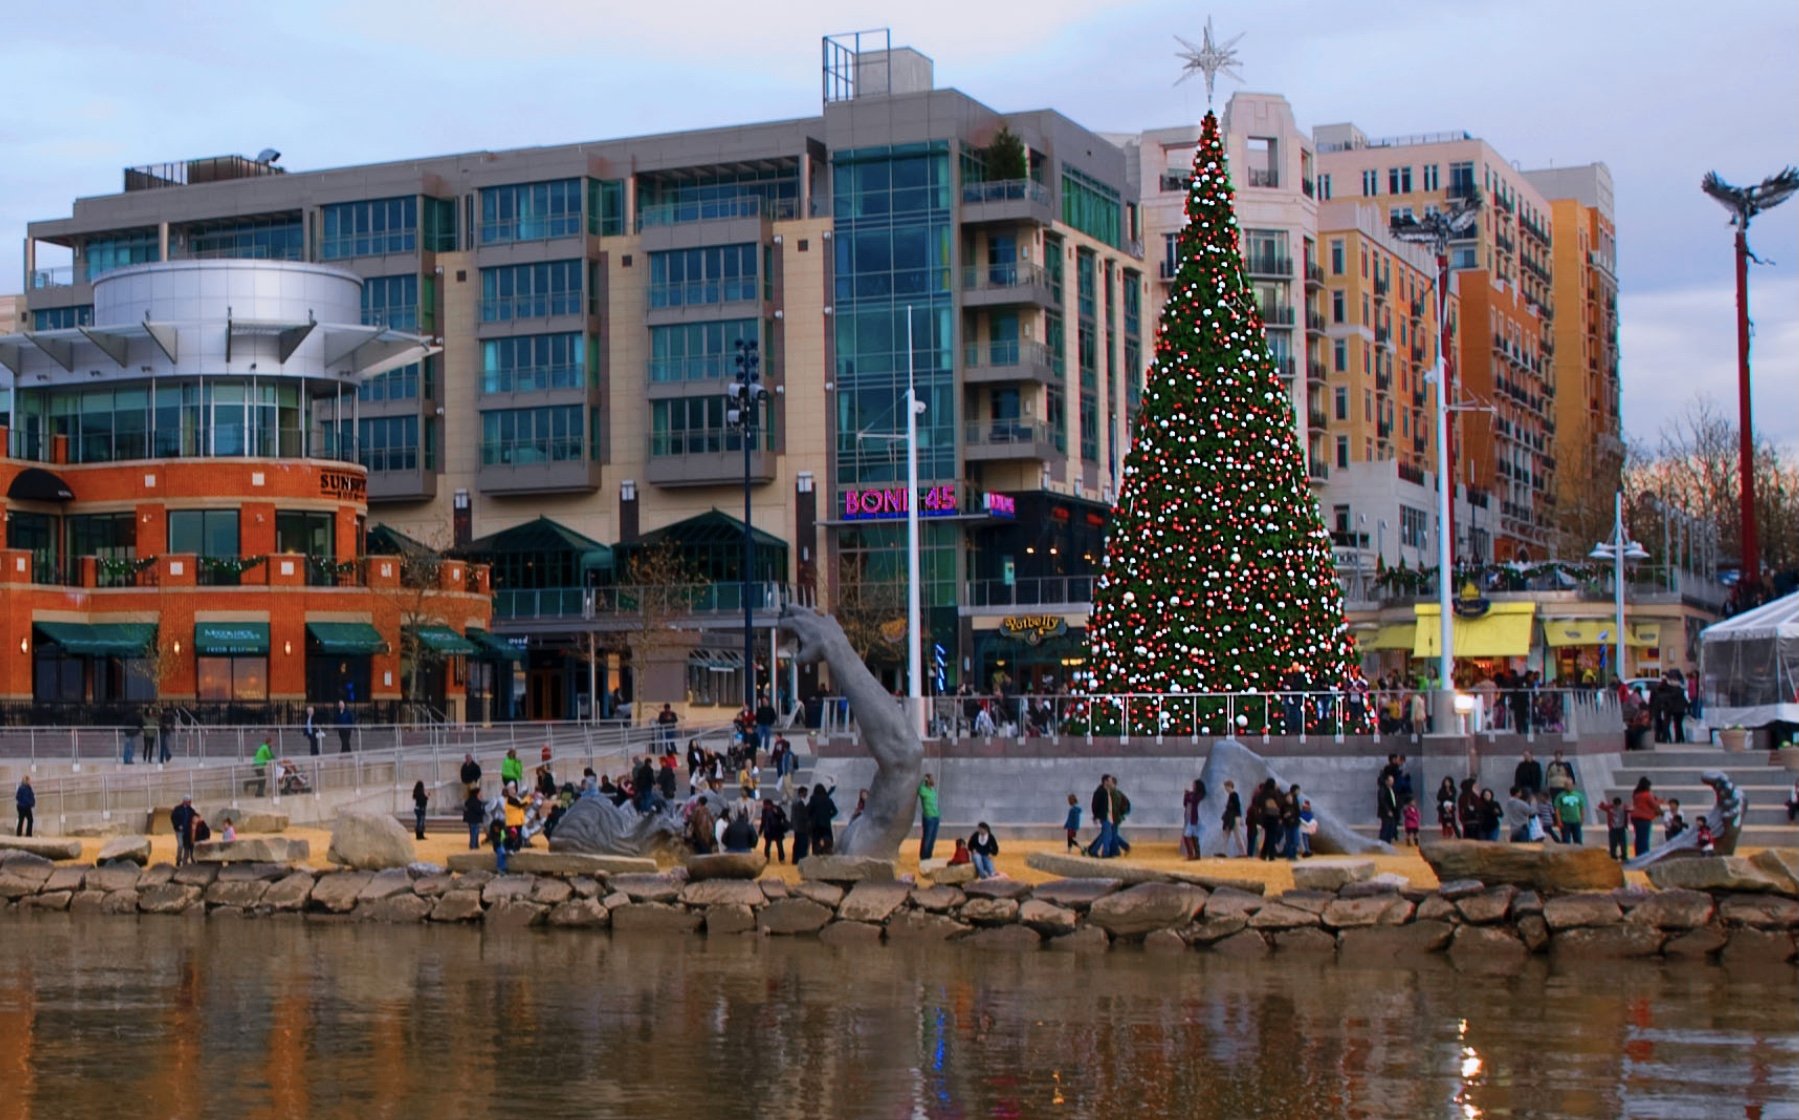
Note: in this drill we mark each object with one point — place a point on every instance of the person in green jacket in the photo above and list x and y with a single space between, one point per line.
265 754
511 769
927 808
1571 810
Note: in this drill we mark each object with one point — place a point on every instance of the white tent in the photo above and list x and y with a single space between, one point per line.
1751 665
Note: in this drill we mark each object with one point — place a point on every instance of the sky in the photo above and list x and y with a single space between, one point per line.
1659 91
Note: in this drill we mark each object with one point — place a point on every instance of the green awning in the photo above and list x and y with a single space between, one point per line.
346 638
442 639
231 639
494 649
99 639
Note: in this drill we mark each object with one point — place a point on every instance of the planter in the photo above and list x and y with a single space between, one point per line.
1734 738
1789 758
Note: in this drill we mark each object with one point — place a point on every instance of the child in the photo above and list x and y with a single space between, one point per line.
1672 822
1705 837
960 855
1409 814
1308 828
1617 824
230 831
1072 824
496 839
1233 814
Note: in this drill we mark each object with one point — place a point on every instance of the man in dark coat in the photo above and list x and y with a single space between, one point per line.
800 817
1105 845
25 799
181 819
1386 807
1528 775
470 773
823 810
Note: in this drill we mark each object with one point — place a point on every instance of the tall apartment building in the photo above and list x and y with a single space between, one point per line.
1272 170
1588 445
1504 354
587 301
13 313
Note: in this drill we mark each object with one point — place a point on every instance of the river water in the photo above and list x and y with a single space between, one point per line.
179 1018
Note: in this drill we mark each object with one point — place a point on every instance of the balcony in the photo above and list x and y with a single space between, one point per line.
402 484
1279 316
1174 181
1038 591
1318 470
1314 275
537 466
1316 419
1314 323
532 308
1010 200
44 279
717 210
1000 362
1316 373
1267 177
1006 285
1286 365
707 457
1269 264
1168 270
1382 285
1008 439
624 607
1308 186
1383 380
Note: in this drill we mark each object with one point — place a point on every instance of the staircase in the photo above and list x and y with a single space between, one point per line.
1673 770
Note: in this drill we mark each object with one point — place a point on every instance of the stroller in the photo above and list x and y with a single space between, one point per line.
291 780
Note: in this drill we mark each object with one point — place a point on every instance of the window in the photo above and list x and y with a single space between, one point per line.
372 228
440 225
231 678
1340 518
1461 178
606 207
391 301
1463 256
1265 252
1370 182
1414 527
696 426
714 274
1133 303
531 363
1342 403
1171 255
390 443
1264 161
1399 180
1337 302
1337 256
708 193
210 535
403 384
1085 283
306 532
530 211
1342 451
275 238
1324 188
526 436
107 253
62 318
1091 207
1430 177
531 291
699 351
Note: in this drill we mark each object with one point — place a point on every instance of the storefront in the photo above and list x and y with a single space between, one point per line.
1043 653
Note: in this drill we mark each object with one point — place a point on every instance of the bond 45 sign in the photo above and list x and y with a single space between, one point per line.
890 502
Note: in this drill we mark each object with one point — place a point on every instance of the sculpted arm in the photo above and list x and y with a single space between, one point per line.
890 739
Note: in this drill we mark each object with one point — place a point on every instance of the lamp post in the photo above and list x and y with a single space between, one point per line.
1436 230
1618 548
744 399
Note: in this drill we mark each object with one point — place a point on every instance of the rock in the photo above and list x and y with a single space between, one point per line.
730 917
1460 888
1164 941
421 869
1147 906
1386 882
1009 938
290 893
518 913
396 909
1304 941
1530 902
1349 913
156 875
723 892
822 893
116 875
1399 912
433 886
120 902
87 902
1214 882
1711 873
1675 909
550 891
1780 865
47 847
1614 941
474 880
1250 943
1280 916
1757 947
1546 867
850 933
1759 912
1384 945
873 902
507 888
1436 908
989 911
386 884
1696 943
997 887
846 869
1489 906
242 894
647 888
244 872
1086 867
52 900
1486 949
369 842
337 894
1087 939
1312 902
725 865
796 915
1209 930
595 826
773 889
12 886
533 862
196 874
584 886
1331 874
943 873
169 898
1581 910
616 899
1075 894
65 879
1049 920
938 900
1228 902
1534 932
916 925
260 849
1630 895
133 849
457 906
580 913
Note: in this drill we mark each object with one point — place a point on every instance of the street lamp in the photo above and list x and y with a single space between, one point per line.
744 399
1454 222
1618 548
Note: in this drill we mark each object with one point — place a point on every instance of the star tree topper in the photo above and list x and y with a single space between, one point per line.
1211 58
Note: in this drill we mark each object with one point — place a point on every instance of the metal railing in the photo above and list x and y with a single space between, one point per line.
1031 591
717 210
633 601
1006 190
1003 276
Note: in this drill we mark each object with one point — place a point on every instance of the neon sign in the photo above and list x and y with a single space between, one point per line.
888 503
999 505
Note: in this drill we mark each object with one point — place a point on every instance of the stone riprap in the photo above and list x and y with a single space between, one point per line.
1482 926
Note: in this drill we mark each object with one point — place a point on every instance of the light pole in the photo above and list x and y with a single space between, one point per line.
1618 548
744 399
1745 203
1436 230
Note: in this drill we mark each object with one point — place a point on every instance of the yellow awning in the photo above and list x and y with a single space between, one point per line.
1393 635
1643 635
1504 631
1600 632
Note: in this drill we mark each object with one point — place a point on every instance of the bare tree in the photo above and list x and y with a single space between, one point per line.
872 613
421 574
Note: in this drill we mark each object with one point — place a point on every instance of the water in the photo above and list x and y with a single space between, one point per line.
171 1017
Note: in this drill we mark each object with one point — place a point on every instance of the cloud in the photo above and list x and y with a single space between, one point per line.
1681 344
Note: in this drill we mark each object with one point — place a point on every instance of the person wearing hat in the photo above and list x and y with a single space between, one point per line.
181 817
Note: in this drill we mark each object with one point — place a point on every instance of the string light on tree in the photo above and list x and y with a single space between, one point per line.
1218 575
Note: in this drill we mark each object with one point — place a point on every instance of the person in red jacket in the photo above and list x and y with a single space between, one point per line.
1645 809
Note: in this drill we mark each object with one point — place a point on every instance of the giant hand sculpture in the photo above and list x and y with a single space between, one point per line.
897 751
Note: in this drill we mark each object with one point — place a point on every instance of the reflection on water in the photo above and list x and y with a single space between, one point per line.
162 1018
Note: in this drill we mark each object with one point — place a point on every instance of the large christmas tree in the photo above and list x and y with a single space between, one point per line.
1218 575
